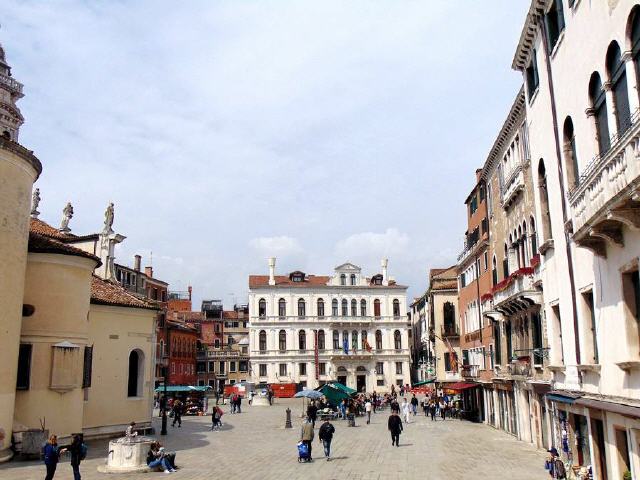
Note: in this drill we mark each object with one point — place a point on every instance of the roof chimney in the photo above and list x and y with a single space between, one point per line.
190 291
272 271
148 271
137 259
385 278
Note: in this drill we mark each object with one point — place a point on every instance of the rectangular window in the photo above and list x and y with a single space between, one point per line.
491 359
283 369
24 366
463 280
87 367
380 368
232 366
398 368
212 366
554 20
484 226
486 261
262 369
557 323
222 368
532 76
322 367
303 369
201 383
380 382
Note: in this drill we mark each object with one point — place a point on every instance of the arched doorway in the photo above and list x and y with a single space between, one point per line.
342 376
361 379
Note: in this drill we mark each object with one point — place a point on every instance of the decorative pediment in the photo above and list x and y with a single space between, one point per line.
348 267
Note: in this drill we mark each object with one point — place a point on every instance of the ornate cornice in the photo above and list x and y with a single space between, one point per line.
23 153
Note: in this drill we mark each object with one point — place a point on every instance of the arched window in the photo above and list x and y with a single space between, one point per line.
634 37
345 339
301 308
617 72
544 199
262 341
321 343
336 340
396 308
302 340
282 307
343 279
363 336
376 308
363 307
345 307
354 308
378 340
353 279
262 308
525 245
518 237
334 307
282 341
534 236
320 307
136 373
354 340
599 106
570 155
505 262
397 340
494 271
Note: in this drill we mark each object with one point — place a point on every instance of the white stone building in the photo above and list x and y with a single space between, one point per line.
581 62
359 325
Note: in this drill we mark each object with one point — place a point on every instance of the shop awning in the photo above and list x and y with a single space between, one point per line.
425 382
182 388
563 397
459 386
620 408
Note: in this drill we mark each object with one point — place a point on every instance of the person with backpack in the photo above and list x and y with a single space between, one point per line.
554 465
78 450
51 453
326 435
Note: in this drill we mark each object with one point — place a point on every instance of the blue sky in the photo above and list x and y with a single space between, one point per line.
228 132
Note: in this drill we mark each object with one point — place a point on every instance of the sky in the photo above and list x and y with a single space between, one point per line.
226 132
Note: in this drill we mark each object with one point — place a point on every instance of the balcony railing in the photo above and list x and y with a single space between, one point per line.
606 176
469 371
513 184
519 281
331 352
11 83
328 318
450 331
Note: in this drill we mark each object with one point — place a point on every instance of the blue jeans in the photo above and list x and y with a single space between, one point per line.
327 448
76 471
160 462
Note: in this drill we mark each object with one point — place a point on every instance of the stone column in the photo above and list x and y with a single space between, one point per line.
632 81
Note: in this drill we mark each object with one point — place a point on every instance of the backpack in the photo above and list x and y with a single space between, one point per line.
83 451
559 470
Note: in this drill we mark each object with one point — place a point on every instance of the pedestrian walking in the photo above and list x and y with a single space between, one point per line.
177 413
414 404
51 454
433 409
367 408
326 435
78 451
394 424
270 395
312 413
307 434
443 410
554 465
251 395
238 403
425 406
406 410
395 407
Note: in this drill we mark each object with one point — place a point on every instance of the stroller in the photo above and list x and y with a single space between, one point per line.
303 452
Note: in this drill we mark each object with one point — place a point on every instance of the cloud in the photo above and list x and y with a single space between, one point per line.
368 244
274 246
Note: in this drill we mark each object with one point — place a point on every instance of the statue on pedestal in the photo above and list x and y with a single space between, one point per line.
108 219
35 201
67 214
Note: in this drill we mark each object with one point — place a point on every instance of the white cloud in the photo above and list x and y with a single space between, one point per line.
369 244
275 246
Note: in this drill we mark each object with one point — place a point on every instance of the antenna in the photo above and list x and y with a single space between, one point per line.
151 259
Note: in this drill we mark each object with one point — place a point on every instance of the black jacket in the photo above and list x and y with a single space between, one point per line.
326 431
395 424
312 411
75 449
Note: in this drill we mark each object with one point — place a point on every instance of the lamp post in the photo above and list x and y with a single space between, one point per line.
165 378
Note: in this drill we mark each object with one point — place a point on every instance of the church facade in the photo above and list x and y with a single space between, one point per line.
346 327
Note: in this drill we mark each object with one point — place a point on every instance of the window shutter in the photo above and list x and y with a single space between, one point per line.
88 365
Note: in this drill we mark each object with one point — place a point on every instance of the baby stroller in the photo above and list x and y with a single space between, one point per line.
303 452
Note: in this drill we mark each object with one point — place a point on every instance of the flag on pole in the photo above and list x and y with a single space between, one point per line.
345 346
315 353
367 346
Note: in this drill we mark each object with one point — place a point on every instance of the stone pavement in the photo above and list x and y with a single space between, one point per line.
255 445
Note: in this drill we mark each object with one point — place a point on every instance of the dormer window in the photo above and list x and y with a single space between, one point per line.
353 279
297 276
343 279
376 279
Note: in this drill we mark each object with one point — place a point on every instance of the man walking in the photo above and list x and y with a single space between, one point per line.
406 410
432 409
367 409
312 412
414 404
177 413
307 434
394 425
374 400
326 435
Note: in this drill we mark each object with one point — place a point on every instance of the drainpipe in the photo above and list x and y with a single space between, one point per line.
554 115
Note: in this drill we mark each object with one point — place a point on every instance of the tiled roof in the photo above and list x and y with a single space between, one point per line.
104 292
282 280
443 278
43 244
43 228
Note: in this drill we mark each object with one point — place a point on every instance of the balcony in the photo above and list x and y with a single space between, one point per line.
514 293
327 320
469 371
450 331
512 186
607 197
13 85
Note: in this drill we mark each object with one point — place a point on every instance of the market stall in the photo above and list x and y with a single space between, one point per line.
192 397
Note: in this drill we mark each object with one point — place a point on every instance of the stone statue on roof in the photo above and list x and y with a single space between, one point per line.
67 214
35 201
108 219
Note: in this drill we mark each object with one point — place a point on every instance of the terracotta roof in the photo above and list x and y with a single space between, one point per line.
44 244
43 228
443 278
282 280
104 292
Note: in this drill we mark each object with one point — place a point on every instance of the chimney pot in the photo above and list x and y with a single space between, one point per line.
384 263
137 261
272 271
